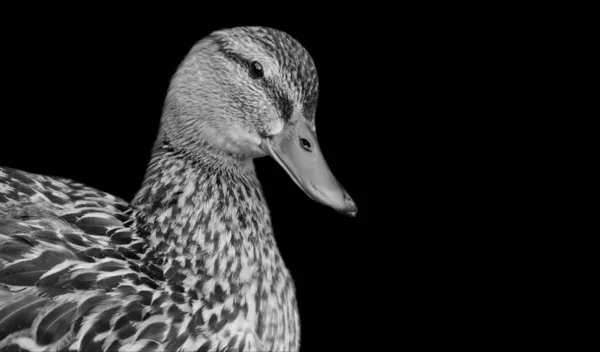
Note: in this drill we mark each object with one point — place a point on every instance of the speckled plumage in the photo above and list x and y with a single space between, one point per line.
191 264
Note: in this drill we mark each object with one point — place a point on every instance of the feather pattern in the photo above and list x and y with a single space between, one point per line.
56 323
191 264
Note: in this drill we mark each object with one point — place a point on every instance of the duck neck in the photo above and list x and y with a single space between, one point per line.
203 213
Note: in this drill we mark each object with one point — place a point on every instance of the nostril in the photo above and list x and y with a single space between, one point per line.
304 143
349 200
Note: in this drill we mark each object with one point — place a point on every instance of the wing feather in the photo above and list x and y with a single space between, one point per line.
68 247
56 323
19 314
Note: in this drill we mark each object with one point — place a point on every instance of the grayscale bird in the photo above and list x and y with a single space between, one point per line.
191 264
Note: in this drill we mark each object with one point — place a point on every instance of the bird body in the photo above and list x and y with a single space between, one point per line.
199 245
191 264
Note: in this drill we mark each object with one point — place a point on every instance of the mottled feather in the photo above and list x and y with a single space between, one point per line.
191 264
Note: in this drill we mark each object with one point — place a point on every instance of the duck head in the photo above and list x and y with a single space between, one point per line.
248 92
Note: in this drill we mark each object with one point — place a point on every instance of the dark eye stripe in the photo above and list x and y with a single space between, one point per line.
232 55
274 92
293 59
279 98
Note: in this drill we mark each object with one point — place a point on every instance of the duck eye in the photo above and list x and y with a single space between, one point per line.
256 70
305 144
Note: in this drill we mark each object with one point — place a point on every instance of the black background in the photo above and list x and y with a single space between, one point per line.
403 118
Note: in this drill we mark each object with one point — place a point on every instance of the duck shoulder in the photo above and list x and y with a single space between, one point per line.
72 277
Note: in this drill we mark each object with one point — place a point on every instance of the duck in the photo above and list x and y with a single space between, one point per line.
191 263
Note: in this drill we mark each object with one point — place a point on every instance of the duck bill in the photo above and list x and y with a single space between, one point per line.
296 149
